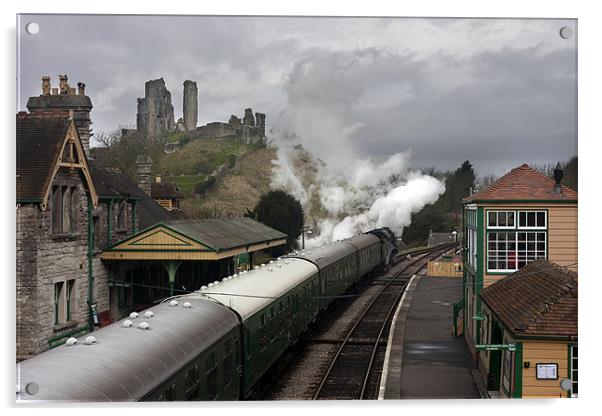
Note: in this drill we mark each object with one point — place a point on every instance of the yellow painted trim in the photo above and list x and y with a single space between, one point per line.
83 165
186 253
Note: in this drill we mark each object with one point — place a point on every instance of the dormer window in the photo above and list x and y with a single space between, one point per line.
64 209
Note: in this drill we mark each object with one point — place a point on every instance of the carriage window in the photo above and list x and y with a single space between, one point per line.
228 362
193 383
211 368
169 395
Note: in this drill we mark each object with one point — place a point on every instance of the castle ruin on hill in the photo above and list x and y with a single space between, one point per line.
155 118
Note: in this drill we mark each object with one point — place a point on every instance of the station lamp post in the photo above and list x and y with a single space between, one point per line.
307 230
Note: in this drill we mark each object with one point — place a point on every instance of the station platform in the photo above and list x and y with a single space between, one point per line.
424 360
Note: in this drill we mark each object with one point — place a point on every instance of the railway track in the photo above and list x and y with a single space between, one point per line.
354 372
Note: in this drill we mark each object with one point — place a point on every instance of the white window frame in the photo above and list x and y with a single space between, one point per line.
516 249
500 227
527 211
574 371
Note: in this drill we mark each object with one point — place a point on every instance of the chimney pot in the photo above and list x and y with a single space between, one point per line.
45 85
63 84
558 175
81 88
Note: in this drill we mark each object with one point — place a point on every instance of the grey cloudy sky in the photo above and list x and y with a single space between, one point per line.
498 92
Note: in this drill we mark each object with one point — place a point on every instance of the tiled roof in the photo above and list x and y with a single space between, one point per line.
539 300
40 137
523 183
165 190
227 234
110 182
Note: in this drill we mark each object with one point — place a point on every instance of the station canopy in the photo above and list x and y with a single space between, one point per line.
212 239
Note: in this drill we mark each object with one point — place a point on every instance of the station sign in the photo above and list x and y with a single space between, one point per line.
496 347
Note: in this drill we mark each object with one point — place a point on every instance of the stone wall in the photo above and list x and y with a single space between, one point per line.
43 259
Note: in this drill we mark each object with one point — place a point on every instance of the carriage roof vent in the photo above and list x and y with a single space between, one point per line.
216 283
90 340
71 341
149 314
173 303
134 315
127 323
144 325
187 305
203 287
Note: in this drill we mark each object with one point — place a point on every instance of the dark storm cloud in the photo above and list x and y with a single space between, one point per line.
498 92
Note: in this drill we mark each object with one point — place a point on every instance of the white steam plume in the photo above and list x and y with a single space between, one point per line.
343 192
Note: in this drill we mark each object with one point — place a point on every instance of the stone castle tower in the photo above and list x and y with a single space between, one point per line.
66 98
155 118
191 105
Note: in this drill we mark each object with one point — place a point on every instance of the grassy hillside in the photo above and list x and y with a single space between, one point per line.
236 192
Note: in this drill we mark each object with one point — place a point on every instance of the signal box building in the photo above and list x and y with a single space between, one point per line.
533 315
523 217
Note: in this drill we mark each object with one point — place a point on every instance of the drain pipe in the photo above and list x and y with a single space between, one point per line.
90 268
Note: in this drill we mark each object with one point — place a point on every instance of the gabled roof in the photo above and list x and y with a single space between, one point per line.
160 190
39 142
523 183
225 234
112 183
196 240
539 300
41 138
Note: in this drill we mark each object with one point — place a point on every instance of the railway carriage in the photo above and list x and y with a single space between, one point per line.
275 304
337 263
183 356
368 253
213 344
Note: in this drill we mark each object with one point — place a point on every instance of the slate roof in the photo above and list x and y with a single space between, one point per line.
539 300
523 183
160 190
39 140
110 182
222 234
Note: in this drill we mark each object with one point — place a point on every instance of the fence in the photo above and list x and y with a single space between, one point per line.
444 267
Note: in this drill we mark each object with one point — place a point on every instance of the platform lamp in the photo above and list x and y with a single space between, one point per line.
307 230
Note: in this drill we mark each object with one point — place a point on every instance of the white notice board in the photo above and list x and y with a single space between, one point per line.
547 371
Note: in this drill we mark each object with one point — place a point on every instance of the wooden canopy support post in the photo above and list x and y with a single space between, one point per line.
172 268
